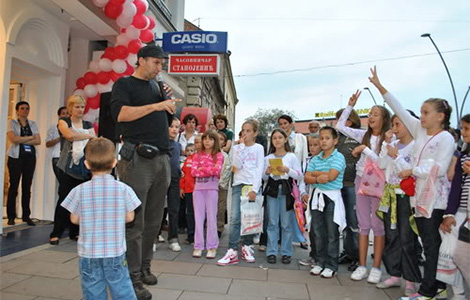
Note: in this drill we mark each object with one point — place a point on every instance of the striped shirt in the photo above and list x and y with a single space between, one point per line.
465 183
101 204
334 161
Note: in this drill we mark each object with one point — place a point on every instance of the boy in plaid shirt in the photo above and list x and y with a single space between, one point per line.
102 207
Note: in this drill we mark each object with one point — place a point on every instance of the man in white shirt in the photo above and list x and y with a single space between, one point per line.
53 139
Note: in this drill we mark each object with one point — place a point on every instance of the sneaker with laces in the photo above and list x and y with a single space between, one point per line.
441 294
247 254
411 288
316 270
230 258
197 253
310 262
374 276
175 247
328 273
359 274
211 253
390 282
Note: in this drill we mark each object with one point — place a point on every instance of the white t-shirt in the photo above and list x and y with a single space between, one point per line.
249 162
393 166
52 134
289 160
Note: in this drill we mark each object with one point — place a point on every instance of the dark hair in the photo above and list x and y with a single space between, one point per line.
408 110
386 122
190 117
173 118
220 117
61 109
189 145
17 106
333 131
100 154
353 117
213 135
285 117
442 106
222 135
466 119
287 147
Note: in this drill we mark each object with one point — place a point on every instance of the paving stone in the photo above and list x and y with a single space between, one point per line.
268 289
233 272
345 279
300 276
10 296
187 295
50 256
11 264
47 287
175 267
327 292
48 269
7 279
193 283
163 294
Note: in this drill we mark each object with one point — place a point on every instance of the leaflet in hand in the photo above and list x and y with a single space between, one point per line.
274 163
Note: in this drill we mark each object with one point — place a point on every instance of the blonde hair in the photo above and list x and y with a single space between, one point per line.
72 100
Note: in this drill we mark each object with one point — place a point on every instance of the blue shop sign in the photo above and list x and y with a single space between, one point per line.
195 41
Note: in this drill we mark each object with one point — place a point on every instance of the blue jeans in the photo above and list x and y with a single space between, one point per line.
98 273
278 214
326 236
235 221
351 232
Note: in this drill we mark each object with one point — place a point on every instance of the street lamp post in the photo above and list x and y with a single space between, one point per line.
428 35
366 88
463 102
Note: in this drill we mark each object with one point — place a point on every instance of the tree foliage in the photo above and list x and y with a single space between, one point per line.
267 118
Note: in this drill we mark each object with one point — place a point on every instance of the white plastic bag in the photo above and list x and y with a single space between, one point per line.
251 218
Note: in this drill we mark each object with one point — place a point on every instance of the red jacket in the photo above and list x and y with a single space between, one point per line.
187 181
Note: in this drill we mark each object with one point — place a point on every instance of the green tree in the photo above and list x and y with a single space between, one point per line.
267 118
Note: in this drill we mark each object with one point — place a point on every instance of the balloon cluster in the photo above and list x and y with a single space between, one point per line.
118 61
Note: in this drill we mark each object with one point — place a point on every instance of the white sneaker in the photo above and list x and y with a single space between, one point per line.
230 258
154 248
316 270
161 239
247 254
256 238
328 273
175 247
393 281
359 274
211 253
374 276
197 253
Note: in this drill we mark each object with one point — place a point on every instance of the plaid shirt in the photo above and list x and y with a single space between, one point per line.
101 204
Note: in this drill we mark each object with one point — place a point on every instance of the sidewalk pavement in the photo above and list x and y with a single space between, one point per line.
51 272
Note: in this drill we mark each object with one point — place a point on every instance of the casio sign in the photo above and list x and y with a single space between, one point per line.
195 38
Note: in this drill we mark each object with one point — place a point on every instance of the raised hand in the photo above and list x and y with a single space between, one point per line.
374 79
388 136
354 97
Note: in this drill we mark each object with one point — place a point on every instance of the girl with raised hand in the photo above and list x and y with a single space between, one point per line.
206 168
399 256
371 140
279 185
432 154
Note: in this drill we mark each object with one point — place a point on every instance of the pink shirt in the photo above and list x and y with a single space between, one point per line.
206 169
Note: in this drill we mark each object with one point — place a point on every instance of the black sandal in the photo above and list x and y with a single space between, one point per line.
286 259
271 259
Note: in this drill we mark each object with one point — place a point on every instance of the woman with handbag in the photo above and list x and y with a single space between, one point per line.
74 134
458 209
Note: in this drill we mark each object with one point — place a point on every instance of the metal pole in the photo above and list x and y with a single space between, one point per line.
463 103
366 88
448 74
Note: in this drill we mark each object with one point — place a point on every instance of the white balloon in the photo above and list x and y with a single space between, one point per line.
109 87
90 90
128 9
146 4
79 92
132 59
94 66
101 88
124 21
100 3
122 39
132 33
119 66
105 65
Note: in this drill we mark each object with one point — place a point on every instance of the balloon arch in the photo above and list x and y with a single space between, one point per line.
116 62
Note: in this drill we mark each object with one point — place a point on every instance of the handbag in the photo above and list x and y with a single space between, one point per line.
372 180
77 171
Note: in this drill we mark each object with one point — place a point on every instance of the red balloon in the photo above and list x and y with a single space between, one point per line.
146 35
129 70
109 53
117 2
140 21
134 46
96 126
152 23
80 83
112 10
103 77
115 76
87 108
90 78
141 7
94 102
121 52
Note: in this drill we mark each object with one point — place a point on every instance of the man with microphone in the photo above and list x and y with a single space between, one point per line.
139 105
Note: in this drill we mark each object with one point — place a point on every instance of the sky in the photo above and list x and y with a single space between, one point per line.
317 53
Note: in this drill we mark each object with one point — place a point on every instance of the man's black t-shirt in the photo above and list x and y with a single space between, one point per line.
151 129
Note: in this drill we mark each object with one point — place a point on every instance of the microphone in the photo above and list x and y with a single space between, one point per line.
162 88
